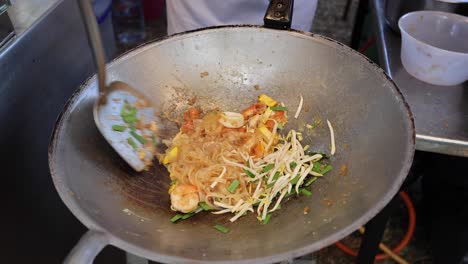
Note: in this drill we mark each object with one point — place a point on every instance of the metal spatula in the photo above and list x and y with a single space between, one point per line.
114 101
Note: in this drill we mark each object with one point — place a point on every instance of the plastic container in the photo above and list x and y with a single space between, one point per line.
434 46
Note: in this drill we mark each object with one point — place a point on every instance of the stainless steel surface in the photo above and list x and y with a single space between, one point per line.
394 9
111 96
440 112
6 29
24 13
373 128
39 71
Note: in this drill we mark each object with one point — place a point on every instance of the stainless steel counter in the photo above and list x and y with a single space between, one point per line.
24 13
440 112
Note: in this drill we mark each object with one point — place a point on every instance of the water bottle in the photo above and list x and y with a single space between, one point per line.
129 23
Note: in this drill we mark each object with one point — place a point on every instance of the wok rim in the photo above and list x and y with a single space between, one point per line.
117 241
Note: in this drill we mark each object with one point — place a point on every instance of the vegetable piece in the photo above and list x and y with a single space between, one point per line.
317 167
299 108
276 176
326 169
187 215
279 108
119 128
171 156
293 191
268 168
129 114
332 138
140 139
292 165
266 133
249 173
309 182
280 126
263 98
305 192
221 228
132 143
267 219
205 206
295 179
176 218
233 186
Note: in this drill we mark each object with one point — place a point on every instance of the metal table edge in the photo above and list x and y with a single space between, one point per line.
423 142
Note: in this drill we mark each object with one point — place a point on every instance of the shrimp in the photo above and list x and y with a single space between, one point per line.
253 110
184 198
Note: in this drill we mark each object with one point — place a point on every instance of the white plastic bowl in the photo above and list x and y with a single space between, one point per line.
434 46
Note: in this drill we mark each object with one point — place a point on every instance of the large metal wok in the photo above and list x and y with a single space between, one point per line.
373 126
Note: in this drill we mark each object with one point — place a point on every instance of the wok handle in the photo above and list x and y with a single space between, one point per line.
90 244
279 14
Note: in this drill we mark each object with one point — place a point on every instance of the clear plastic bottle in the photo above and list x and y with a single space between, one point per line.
129 23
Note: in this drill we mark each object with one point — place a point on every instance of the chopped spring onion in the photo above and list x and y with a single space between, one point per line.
233 186
276 176
176 218
332 138
249 173
293 191
267 168
326 169
119 128
293 165
317 167
129 114
279 108
305 192
173 182
140 139
309 182
205 206
295 179
267 219
280 126
188 215
132 143
221 228
299 108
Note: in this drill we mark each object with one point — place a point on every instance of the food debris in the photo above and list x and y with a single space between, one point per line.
257 87
203 74
306 210
141 154
192 100
343 170
113 117
327 202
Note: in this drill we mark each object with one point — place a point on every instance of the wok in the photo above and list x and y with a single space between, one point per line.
373 127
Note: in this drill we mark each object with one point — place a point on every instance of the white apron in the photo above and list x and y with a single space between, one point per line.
183 15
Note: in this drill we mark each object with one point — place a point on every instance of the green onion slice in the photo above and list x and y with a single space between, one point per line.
221 228
233 186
